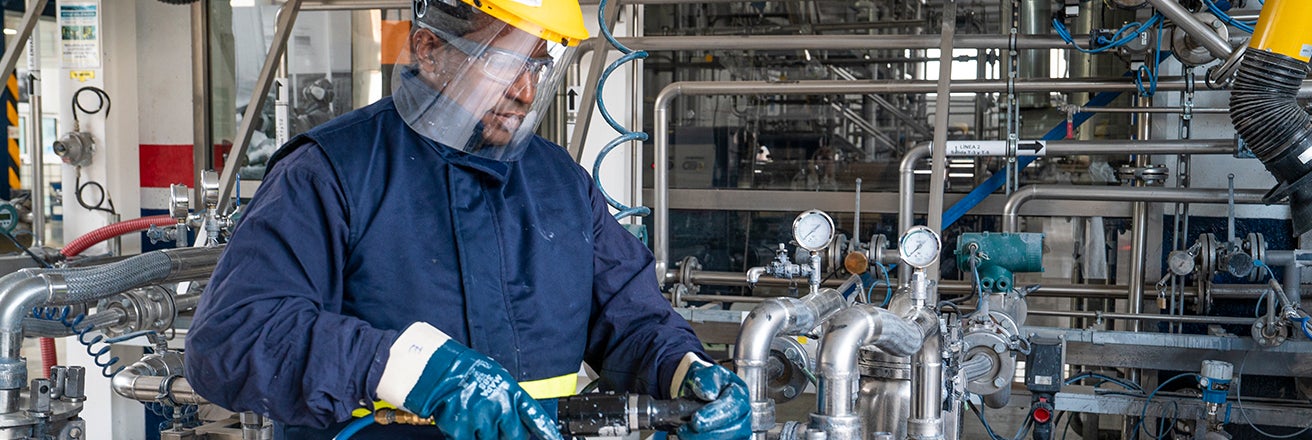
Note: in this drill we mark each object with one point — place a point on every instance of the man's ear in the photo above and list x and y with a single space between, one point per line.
424 46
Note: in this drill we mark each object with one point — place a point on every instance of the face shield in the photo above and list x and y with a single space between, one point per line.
475 83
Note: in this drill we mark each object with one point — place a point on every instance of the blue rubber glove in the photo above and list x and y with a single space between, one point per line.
468 395
729 413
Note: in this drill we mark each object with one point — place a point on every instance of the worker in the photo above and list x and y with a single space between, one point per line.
430 252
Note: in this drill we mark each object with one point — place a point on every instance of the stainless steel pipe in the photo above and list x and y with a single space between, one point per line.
772 318
851 329
837 42
1199 31
1011 211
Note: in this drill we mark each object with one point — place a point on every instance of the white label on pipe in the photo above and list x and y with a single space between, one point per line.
995 148
1306 52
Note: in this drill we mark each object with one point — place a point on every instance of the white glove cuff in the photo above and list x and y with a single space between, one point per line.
406 361
679 373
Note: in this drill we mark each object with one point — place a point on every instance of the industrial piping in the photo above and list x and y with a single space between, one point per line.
1011 211
661 138
28 288
1265 109
851 329
775 317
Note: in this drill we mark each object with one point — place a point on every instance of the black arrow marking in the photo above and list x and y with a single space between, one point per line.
1036 147
572 94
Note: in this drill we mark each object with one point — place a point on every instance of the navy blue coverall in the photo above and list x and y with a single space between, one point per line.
363 227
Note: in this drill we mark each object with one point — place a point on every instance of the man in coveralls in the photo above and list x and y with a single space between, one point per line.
431 252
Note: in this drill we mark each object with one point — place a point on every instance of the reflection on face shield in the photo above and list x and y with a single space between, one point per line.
482 90
499 65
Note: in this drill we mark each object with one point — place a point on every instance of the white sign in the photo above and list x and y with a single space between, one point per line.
996 148
79 34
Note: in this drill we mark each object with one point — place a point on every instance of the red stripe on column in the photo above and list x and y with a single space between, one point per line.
164 165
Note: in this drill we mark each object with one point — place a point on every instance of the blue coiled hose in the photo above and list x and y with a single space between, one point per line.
625 134
75 325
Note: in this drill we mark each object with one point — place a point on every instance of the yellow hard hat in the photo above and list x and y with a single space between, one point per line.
559 21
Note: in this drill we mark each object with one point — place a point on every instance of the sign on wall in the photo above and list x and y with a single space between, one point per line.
79 34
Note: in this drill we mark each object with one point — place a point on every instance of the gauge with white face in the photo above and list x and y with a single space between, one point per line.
813 230
919 247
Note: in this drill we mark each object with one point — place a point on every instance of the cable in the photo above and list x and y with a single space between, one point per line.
1239 397
25 249
103 103
1144 412
625 134
1103 379
104 195
888 296
354 427
1116 40
1215 10
1150 70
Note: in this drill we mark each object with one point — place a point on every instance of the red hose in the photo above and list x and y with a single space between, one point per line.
48 356
105 233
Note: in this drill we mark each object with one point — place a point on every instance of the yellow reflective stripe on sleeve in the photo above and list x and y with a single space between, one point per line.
365 412
551 388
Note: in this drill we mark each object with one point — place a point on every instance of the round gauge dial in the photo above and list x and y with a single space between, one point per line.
813 230
919 247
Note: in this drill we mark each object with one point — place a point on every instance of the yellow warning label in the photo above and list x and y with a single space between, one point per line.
82 75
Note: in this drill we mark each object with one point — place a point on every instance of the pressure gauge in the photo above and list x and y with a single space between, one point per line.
813 230
919 247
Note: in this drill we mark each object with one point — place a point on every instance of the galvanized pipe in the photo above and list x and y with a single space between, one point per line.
1011 211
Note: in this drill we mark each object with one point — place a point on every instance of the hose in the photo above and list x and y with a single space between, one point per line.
1265 112
80 244
625 134
354 427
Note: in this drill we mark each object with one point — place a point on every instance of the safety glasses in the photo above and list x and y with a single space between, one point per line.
500 65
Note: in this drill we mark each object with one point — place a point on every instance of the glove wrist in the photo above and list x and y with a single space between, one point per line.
407 359
686 364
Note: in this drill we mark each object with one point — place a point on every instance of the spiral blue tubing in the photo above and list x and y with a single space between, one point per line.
625 134
98 356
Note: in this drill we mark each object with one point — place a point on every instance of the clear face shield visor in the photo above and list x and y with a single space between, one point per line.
483 92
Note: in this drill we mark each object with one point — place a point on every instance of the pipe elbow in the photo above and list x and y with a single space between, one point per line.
915 154
761 325
124 382
754 275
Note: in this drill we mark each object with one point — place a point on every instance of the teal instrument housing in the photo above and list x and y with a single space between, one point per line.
999 256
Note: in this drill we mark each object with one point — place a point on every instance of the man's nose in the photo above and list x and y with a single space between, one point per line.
523 88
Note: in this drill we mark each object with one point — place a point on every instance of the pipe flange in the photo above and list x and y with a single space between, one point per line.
687 267
1207 246
1255 244
1269 335
1190 52
791 379
846 427
1151 175
996 347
